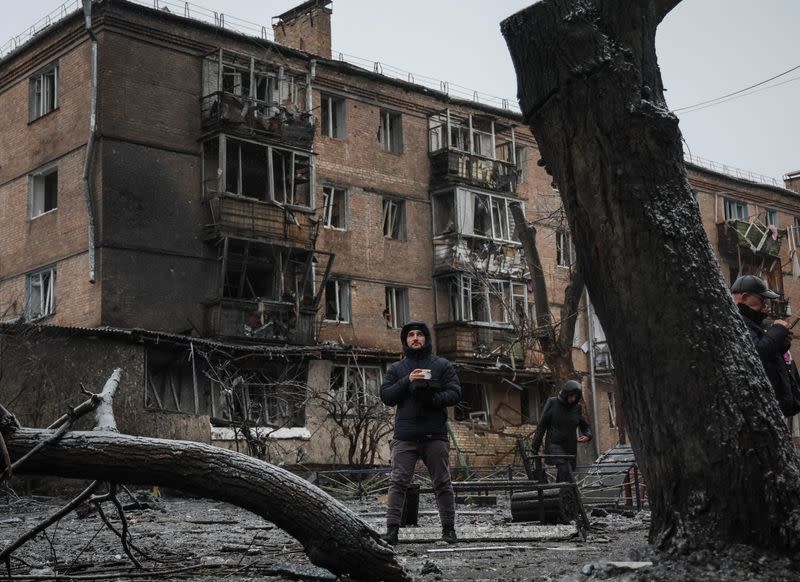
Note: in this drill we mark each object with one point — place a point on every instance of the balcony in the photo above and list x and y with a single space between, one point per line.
468 341
450 166
225 112
736 237
474 255
270 321
244 217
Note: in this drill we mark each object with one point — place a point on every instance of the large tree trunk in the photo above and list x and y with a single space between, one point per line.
332 535
703 419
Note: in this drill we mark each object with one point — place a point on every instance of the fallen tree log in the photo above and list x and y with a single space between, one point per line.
333 537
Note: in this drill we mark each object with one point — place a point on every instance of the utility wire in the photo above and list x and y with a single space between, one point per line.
725 97
753 92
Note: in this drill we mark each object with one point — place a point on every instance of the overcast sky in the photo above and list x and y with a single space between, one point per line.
706 49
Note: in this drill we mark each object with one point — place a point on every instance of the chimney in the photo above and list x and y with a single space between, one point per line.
306 27
791 181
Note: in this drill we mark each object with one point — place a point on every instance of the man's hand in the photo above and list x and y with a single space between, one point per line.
417 374
583 439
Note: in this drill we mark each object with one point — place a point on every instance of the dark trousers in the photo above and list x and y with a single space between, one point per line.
436 457
564 467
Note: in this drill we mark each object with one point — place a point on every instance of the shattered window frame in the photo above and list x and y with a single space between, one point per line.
338 307
333 197
394 219
43 92
521 163
735 209
612 410
43 191
173 384
350 385
333 113
473 213
565 249
40 293
473 394
396 312
390 132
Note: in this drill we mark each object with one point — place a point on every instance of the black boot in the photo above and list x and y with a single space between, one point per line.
449 534
390 537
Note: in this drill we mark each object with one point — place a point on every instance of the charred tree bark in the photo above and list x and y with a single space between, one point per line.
556 344
703 419
332 535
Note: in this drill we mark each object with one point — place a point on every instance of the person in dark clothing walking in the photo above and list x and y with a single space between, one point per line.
560 419
421 386
750 294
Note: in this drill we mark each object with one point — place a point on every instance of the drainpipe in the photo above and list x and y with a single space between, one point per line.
590 317
88 166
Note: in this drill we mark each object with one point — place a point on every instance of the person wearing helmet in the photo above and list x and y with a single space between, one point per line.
421 386
560 420
750 294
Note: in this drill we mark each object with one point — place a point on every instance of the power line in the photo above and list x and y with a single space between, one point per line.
699 108
729 95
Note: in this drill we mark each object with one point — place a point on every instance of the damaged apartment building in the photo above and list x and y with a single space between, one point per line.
249 223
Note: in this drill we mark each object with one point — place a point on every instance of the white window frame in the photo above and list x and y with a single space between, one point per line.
333 109
342 289
733 206
564 243
391 131
40 91
394 215
330 196
46 296
397 307
36 191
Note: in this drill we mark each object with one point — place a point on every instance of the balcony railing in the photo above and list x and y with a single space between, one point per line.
737 235
250 218
463 340
259 118
448 166
260 320
474 254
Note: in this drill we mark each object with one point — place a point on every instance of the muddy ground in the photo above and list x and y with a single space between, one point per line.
193 539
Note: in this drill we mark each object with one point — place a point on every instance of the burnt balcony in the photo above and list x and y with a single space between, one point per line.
737 237
467 254
244 217
450 166
270 321
249 117
459 341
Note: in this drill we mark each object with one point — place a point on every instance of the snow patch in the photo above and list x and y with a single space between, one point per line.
226 433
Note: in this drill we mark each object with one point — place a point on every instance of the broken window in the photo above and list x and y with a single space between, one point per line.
43 187
394 219
264 399
474 405
356 386
334 204
236 81
482 215
521 158
41 293
483 143
396 311
565 249
736 210
771 217
246 172
292 94
291 178
453 298
173 383
391 132
43 92
459 137
337 301
521 306
463 298
333 117
444 214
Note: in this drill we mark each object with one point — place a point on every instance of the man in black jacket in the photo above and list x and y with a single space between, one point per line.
421 386
560 419
750 294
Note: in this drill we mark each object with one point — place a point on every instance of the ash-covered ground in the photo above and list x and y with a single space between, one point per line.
194 539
